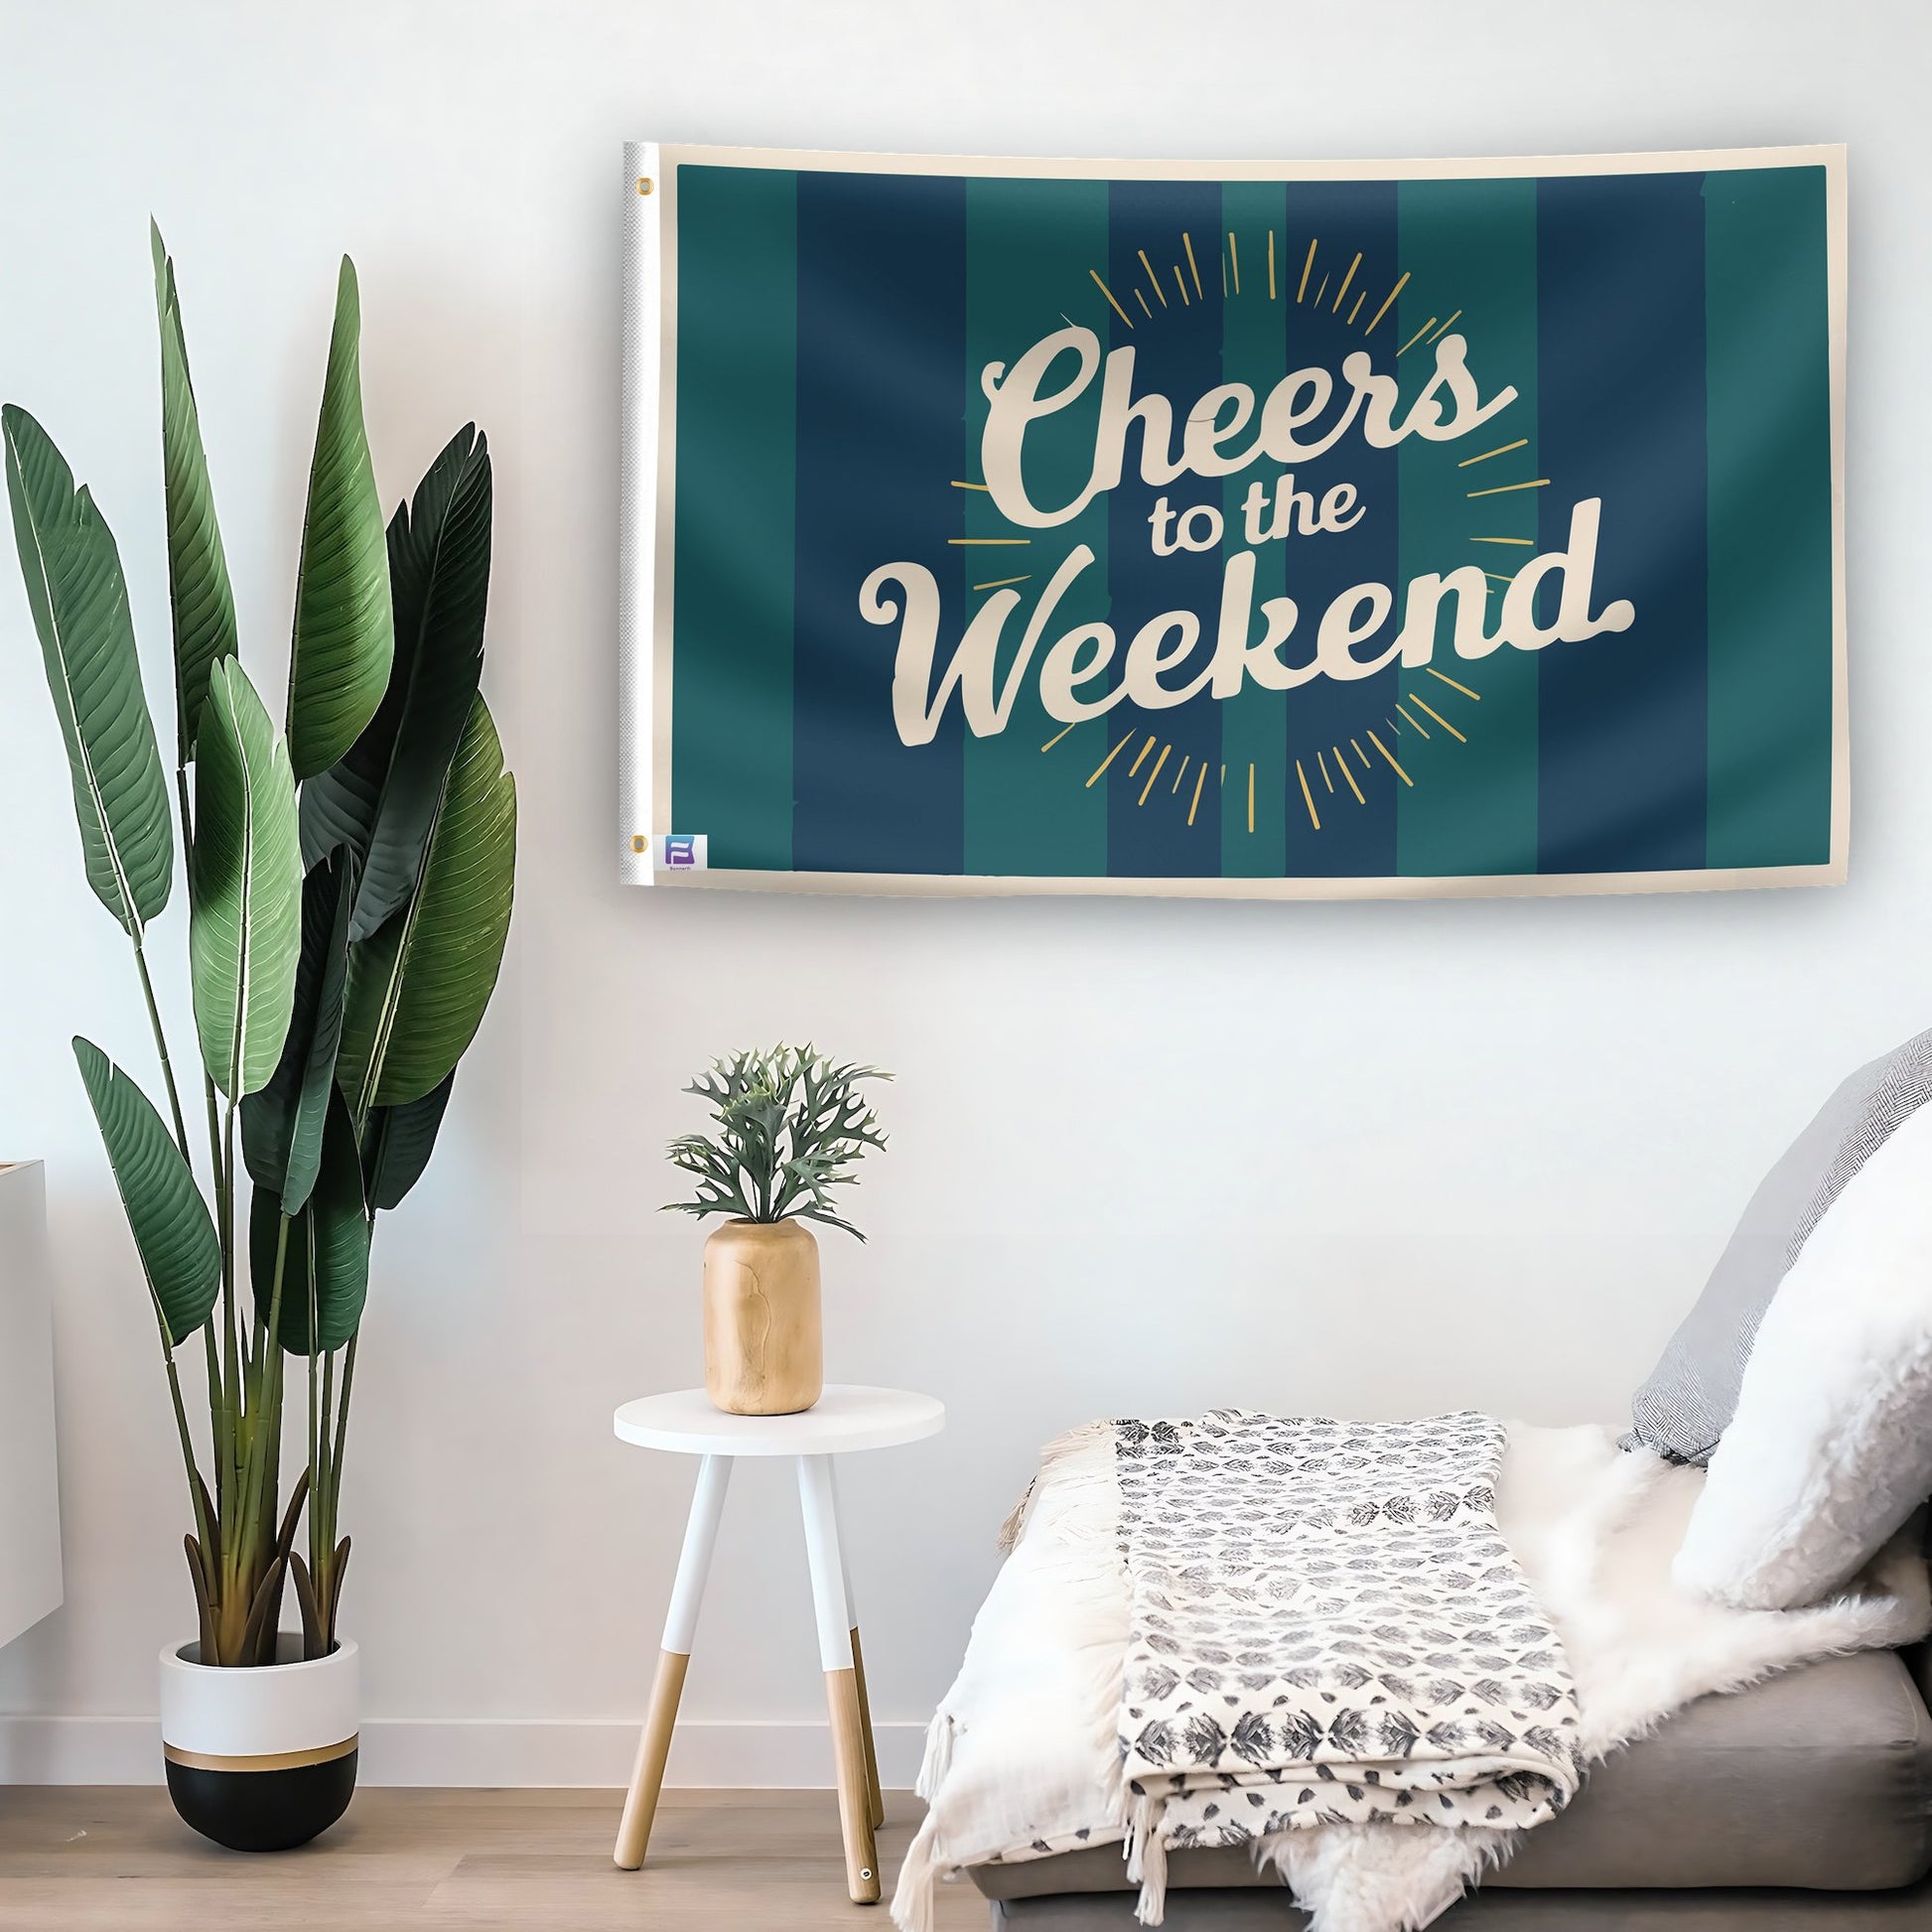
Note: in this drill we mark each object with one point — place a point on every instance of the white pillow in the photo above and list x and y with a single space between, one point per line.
1830 1451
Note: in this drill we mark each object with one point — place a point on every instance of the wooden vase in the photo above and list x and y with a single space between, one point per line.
764 1345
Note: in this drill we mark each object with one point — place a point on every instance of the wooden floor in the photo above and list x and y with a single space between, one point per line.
117 1860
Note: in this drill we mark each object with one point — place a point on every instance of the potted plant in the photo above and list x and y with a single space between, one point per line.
348 896
790 1127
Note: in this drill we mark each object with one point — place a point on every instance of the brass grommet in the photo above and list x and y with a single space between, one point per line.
644 183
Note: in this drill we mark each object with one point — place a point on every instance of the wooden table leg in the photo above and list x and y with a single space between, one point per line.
820 1511
876 1796
680 1626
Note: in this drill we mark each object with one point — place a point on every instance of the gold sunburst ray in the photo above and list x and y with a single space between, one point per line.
1521 443
1109 294
1100 769
1422 704
1503 489
1341 764
1201 778
1345 280
1473 696
1388 301
1392 765
1308 797
1155 774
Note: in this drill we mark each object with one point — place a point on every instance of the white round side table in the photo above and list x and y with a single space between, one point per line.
844 1420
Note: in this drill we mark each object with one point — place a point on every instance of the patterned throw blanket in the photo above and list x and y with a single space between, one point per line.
1326 1627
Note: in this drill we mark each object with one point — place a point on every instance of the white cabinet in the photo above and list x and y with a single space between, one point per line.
30 1511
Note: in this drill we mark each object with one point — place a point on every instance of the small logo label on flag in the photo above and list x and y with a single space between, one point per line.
684 852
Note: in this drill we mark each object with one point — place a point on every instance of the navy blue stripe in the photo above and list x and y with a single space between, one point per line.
1178 354
1621 415
881 344
1355 840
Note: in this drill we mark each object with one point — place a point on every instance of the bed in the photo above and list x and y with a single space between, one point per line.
1770 1769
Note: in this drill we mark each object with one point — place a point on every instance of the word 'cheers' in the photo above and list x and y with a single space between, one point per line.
1289 428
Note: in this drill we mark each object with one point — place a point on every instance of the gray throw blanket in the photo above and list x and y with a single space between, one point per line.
1328 1627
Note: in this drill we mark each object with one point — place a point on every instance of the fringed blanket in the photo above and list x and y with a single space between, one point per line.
1023 1758
1325 1626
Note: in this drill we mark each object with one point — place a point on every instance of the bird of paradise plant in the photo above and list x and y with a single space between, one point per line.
349 882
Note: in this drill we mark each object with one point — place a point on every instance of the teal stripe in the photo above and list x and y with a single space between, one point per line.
1767 369
731 670
1030 811
1470 245
1254 724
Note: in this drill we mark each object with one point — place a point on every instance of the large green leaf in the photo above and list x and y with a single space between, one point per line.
325 1264
380 797
245 934
197 570
173 1232
281 1126
417 990
78 599
398 1143
344 630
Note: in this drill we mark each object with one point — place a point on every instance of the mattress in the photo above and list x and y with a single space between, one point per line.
1820 1779
1505 1911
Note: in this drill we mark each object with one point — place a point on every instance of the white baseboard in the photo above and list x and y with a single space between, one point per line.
485 1752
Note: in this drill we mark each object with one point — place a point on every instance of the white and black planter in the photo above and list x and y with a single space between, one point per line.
261 1759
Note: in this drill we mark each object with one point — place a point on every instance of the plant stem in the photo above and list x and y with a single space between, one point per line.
161 1048
191 1467
322 1508
267 1413
230 1348
341 1424
242 1569
234 1414
220 1395
186 1448
326 1566
317 1430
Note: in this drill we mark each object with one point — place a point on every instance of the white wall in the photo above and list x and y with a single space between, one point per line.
1148 1157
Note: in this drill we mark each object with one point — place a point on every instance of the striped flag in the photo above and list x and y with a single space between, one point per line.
926 617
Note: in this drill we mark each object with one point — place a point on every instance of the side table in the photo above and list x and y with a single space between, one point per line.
845 1418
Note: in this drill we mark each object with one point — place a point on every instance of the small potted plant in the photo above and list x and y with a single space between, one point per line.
791 1126
348 879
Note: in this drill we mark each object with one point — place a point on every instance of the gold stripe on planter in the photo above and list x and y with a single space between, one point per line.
266 1761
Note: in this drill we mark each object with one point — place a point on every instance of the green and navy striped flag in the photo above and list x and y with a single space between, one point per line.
1235 529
